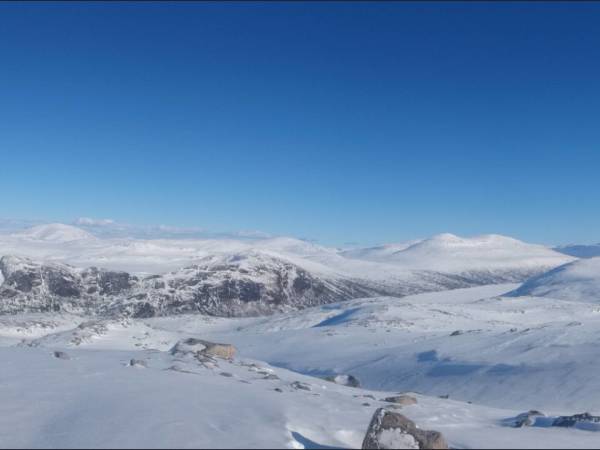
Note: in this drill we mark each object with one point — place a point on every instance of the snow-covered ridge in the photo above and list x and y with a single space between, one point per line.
580 251
454 254
55 232
243 277
577 281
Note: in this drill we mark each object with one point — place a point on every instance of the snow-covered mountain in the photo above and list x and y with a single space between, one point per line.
394 319
239 284
55 232
453 254
577 281
243 277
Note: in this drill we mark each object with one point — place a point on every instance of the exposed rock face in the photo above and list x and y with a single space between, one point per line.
390 430
246 285
199 348
250 283
404 400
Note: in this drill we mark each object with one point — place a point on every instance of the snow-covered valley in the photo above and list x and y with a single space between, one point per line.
477 330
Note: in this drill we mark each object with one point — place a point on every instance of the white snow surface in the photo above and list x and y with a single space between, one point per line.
496 351
511 355
577 281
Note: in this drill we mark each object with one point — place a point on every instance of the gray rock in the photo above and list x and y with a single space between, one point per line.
200 349
390 430
404 400
271 376
137 363
301 386
456 333
344 380
61 355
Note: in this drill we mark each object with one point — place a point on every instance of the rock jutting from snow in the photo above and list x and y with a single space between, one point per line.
199 349
390 430
344 380
404 400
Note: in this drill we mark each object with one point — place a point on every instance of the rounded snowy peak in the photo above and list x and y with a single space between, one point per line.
55 232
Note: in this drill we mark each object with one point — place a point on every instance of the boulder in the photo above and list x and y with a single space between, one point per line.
137 363
344 380
404 400
61 355
390 430
199 348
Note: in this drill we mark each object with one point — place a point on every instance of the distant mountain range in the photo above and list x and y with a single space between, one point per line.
53 268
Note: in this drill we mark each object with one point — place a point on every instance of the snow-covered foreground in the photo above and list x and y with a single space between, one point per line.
504 355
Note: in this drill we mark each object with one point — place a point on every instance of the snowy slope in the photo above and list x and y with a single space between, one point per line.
470 344
580 251
577 281
93 397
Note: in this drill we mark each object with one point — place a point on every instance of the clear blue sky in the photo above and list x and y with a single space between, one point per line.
340 122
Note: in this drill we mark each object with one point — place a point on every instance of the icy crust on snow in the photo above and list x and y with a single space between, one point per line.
577 281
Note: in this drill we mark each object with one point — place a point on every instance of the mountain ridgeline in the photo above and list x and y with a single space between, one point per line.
233 278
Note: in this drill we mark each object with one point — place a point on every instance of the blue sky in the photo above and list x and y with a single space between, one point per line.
340 122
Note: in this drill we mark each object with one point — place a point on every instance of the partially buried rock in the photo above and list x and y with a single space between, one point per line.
404 400
200 348
344 380
61 355
390 430
301 386
137 363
